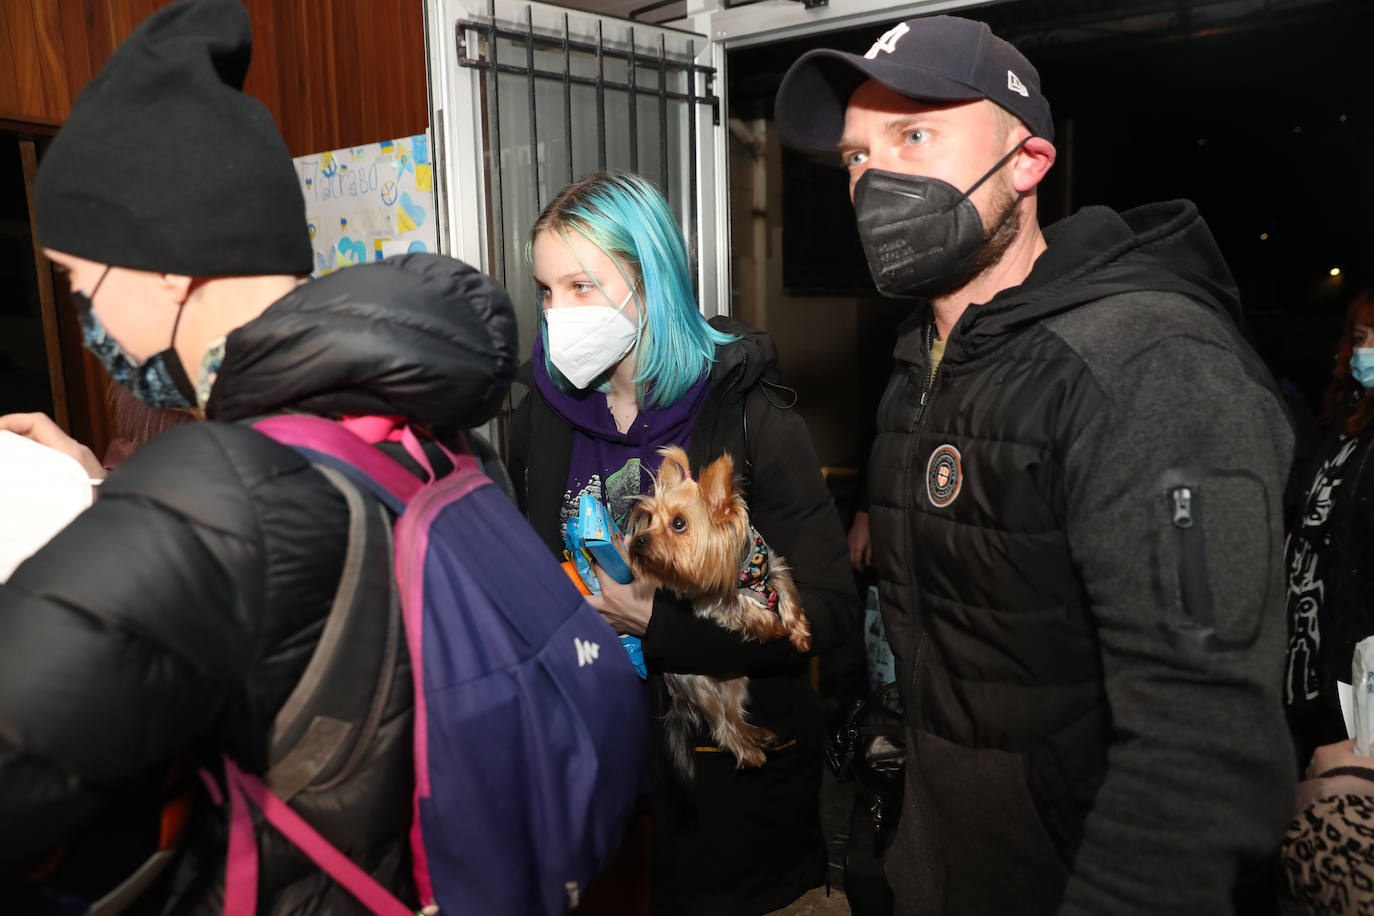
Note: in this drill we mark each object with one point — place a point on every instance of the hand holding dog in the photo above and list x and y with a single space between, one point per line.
627 608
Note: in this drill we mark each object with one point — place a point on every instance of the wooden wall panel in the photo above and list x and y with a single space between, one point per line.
9 81
23 42
47 27
340 73
333 73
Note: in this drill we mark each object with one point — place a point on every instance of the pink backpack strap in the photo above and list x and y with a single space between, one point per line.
352 442
326 437
375 429
241 870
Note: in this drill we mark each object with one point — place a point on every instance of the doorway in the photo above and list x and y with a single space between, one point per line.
43 366
25 382
1257 112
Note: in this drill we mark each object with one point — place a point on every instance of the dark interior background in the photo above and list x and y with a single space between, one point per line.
24 384
1262 117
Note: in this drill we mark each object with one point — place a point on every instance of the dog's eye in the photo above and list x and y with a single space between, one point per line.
679 523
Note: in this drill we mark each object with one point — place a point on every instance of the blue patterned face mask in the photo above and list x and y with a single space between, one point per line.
159 381
1362 366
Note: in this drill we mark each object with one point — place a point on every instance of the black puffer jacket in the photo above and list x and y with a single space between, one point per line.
168 624
746 841
1078 529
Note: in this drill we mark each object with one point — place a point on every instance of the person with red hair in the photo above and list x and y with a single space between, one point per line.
1330 575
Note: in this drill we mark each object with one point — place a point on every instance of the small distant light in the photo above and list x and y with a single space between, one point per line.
1201 141
1342 117
1335 271
1298 129
1263 236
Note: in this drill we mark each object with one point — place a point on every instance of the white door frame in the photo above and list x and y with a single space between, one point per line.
461 181
781 20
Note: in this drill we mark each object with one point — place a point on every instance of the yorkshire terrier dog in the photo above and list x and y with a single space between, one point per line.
693 538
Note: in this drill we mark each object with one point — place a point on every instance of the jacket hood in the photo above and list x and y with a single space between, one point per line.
422 336
1098 252
750 358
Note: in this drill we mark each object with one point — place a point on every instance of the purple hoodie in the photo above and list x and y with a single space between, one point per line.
614 466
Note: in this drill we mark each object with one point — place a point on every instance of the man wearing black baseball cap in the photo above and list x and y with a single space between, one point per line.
1075 505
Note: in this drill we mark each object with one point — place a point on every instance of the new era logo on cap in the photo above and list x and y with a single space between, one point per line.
1014 85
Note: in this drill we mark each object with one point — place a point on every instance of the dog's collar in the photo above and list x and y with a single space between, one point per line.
753 572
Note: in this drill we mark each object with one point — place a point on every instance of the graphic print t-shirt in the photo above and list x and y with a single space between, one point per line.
1308 557
614 467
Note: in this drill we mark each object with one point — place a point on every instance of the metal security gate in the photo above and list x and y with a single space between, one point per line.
532 97
647 78
526 97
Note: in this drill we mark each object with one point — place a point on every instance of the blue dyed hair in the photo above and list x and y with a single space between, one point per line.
627 218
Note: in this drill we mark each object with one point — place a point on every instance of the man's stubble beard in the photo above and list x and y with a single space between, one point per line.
999 232
999 238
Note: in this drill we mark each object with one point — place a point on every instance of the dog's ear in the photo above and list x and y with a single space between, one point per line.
674 467
718 485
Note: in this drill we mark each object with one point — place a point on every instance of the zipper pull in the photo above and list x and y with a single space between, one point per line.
1183 507
921 407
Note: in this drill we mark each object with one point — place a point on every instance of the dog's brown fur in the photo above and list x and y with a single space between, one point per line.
688 537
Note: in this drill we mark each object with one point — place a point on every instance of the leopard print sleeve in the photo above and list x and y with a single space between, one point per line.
1328 855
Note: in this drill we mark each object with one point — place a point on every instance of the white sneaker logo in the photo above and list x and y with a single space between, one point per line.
888 43
1015 85
586 652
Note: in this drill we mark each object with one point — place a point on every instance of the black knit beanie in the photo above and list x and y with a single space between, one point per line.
166 165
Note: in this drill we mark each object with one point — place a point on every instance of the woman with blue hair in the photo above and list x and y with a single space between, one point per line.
625 364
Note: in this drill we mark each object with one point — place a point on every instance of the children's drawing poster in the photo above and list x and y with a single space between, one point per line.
365 203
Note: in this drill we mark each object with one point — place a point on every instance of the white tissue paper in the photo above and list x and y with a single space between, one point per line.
41 491
1362 695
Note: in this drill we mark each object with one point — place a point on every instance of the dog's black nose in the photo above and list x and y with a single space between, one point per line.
641 541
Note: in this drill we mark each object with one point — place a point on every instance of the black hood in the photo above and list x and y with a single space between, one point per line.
750 358
1098 252
422 336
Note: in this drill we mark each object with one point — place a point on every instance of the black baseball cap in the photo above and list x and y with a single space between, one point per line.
935 58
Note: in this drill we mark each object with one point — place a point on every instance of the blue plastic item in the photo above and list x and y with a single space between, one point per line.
592 536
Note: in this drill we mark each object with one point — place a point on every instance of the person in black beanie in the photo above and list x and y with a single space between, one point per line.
170 625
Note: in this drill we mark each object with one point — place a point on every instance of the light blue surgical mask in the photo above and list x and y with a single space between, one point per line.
158 381
1362 366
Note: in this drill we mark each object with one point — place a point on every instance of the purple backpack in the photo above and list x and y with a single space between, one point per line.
530 723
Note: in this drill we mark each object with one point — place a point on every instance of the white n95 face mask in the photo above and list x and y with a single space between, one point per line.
586 340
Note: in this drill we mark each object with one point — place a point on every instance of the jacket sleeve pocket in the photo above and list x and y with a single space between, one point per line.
1211 557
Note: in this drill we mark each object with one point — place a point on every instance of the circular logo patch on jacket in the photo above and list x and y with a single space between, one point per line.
944 475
